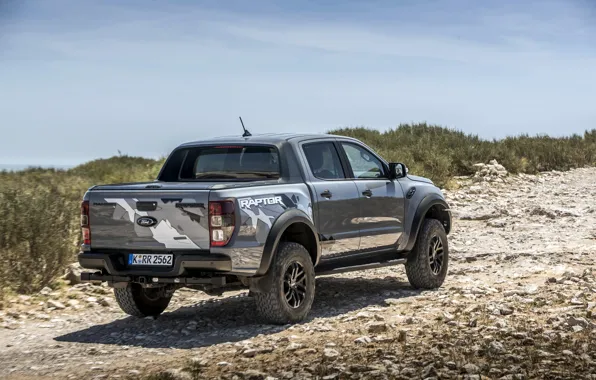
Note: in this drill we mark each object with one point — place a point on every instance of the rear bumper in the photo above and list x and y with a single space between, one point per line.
185 264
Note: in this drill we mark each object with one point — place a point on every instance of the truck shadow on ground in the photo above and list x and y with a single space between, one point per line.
233 319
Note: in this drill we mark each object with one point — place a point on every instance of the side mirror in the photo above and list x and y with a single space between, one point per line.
397 170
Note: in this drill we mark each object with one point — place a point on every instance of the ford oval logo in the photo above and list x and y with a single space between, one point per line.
146 221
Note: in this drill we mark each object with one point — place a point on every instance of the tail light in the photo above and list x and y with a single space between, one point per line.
85 227
221 222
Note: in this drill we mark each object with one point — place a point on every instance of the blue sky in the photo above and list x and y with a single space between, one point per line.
81 79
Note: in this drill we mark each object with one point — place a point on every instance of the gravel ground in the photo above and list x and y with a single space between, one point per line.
519 302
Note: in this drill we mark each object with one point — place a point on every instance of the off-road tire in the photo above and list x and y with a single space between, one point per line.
418 267
272 305
134 300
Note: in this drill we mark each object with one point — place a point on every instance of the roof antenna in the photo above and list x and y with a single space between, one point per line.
246 132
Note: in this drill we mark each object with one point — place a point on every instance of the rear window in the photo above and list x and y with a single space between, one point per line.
231 162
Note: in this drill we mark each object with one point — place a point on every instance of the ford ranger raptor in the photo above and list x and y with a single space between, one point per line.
268 213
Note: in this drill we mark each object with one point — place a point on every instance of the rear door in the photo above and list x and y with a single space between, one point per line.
381 200
336 198
149 219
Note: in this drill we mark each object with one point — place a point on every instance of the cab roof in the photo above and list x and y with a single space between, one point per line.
266 138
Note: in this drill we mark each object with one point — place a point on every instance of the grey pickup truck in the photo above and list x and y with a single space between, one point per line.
267 213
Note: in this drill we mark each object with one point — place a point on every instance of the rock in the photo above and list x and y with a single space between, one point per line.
471 369
249 353
575 301
134 372
294 346
499 223
45 291
330 353
392 301
175 374
505 310
376 327
429 371
73 274
363 340
496 347
408 372
252 374
472 309
104 301
56 304
573 321
223 364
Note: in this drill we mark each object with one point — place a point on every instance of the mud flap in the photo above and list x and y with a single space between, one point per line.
260 284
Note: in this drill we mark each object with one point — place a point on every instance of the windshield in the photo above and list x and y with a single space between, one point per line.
231 162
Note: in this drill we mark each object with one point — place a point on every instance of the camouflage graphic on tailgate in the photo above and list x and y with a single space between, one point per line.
175 224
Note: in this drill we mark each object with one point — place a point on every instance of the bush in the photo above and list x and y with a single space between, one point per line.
441 153
36 239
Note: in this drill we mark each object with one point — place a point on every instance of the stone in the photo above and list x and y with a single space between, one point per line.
376 327
408 372
496 347
471 369
429 371
176 374
330 353
104 301
45 291
73 274
249 353
56 304
363 340
392 301
505 310
294 346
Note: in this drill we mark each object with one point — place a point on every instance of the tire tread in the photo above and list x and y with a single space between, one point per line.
417 266
132 304
269 305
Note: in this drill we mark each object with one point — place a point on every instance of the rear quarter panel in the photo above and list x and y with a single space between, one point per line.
257 210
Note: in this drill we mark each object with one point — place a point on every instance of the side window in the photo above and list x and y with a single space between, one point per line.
323 160
364 165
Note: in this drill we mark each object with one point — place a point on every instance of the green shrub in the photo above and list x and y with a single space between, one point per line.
441 153
37 231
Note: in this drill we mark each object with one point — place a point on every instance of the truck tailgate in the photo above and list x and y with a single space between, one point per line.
149 219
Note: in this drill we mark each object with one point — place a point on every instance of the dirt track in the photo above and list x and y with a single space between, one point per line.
519 302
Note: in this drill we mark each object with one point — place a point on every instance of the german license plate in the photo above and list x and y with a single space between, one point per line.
150 259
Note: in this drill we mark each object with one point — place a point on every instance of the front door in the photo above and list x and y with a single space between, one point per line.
336 207
381 200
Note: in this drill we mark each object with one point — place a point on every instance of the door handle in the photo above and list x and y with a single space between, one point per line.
367 193
326 194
